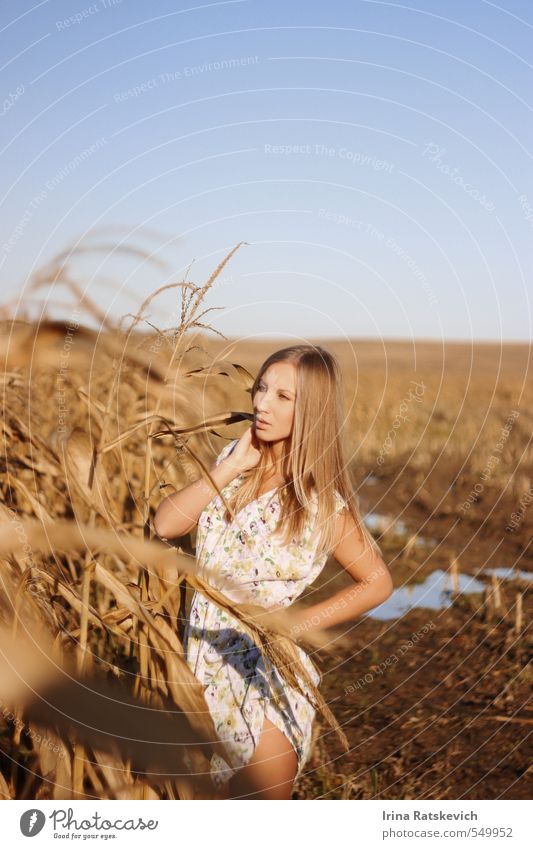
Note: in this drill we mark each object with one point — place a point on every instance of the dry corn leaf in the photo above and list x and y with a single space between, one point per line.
100 714
58 344
84 472
236 372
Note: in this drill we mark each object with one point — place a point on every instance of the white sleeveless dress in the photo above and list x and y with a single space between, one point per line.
249 564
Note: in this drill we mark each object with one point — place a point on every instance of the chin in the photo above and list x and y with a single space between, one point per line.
270 437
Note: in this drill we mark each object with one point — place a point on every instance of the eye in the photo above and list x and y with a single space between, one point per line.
261 387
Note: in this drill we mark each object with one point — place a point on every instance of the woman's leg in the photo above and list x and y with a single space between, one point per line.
270 772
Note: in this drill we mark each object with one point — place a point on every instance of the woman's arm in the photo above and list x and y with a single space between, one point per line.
179 513
373 582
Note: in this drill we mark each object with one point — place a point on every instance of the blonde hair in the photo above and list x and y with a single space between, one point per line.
312 455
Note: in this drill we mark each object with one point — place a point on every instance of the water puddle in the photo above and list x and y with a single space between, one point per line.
384 524
435 593
388 524
507 573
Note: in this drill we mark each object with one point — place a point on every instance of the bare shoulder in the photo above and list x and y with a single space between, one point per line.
355 554
346 531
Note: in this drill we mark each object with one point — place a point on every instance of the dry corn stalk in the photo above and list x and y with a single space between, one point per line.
79 580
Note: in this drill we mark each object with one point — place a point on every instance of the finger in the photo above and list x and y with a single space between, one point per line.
255 441
242 443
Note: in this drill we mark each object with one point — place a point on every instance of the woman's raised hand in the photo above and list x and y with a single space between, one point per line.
246 454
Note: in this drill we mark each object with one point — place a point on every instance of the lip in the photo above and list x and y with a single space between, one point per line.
260 424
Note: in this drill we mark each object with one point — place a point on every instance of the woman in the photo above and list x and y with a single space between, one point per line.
289 503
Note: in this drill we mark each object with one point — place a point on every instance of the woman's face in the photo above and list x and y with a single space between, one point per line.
274 402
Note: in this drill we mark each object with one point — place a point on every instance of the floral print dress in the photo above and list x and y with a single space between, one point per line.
245 560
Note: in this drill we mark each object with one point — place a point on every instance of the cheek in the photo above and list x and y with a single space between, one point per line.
289 415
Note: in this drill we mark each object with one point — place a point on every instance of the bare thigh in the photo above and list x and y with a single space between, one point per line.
270 772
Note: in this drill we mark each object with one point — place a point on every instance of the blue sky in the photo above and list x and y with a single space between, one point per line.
375 156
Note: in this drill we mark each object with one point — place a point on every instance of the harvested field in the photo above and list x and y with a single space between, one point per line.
98 427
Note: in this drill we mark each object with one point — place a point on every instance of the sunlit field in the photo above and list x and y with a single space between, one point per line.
425 698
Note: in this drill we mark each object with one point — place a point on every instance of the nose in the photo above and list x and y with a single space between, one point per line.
261 407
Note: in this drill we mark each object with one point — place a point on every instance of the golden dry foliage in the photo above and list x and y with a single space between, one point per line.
97 698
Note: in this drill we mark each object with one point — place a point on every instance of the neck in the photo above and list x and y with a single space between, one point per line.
276 468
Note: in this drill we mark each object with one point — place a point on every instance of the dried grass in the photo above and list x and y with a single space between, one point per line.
90 604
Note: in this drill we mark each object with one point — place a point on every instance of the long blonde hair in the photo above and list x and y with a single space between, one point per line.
312 455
